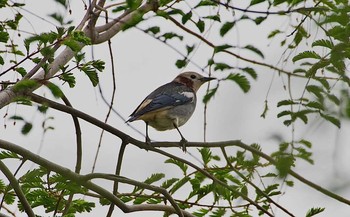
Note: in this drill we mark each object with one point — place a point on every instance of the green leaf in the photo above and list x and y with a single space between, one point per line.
254 2
69 78
283 113
255 50
168 183
314 211
181 63
250 71
226 28
241 80
137 18
154 178
186 17
133 4
305 55
200 25
179 184
213 17
221 48
164 2
72 44
98 64
16 117
81 206
259 20
55 90
334 99
205 3
209 95
201 212
206 155
222 66
286 102
8 154
180 164
323 43
340 33
154 30
218 212
289 183
93 77
274 33
25 85
140 200
189 49
26 128
4 37
284 164
314 104
21 71
43 108
331 119
171 35
3 3
306 143
1 61
315 90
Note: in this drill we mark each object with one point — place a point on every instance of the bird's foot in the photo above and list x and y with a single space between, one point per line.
148 141
183 144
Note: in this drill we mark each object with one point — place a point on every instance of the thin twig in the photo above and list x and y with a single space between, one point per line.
83 180
79 151
139 184
110 104
117 173
252 184
144 145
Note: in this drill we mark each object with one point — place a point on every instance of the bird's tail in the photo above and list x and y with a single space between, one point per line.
131 119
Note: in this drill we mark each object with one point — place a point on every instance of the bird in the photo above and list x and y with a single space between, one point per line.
171 105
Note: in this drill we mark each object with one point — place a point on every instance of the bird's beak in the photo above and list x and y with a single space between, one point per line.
205 79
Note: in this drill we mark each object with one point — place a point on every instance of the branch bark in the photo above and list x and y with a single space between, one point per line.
8 95
84 181
15 185
143 145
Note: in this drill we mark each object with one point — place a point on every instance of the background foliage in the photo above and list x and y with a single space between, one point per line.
244 182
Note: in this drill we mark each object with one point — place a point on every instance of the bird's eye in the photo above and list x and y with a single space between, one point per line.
193 76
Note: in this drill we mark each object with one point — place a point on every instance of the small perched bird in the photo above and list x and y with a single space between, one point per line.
171 105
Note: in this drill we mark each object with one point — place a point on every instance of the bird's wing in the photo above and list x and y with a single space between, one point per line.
161 102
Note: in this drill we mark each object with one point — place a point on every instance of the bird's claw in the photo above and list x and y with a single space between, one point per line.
183 144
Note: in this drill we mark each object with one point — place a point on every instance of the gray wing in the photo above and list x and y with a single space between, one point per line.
166 96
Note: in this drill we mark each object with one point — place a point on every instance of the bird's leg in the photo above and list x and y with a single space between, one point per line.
148 140
183 141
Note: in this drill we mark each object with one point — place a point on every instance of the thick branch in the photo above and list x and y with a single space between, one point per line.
67 54
116 25
143 145
138 143
84 181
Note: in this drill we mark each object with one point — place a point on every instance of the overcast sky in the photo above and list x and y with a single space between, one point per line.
142 64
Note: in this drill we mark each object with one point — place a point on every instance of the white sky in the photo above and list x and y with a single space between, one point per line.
142 64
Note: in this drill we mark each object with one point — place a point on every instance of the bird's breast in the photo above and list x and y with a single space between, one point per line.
166 119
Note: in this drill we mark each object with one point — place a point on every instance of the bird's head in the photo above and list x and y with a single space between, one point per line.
192 80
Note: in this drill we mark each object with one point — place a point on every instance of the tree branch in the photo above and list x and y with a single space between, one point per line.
139 184
143 145
6 96
14 183
84 181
